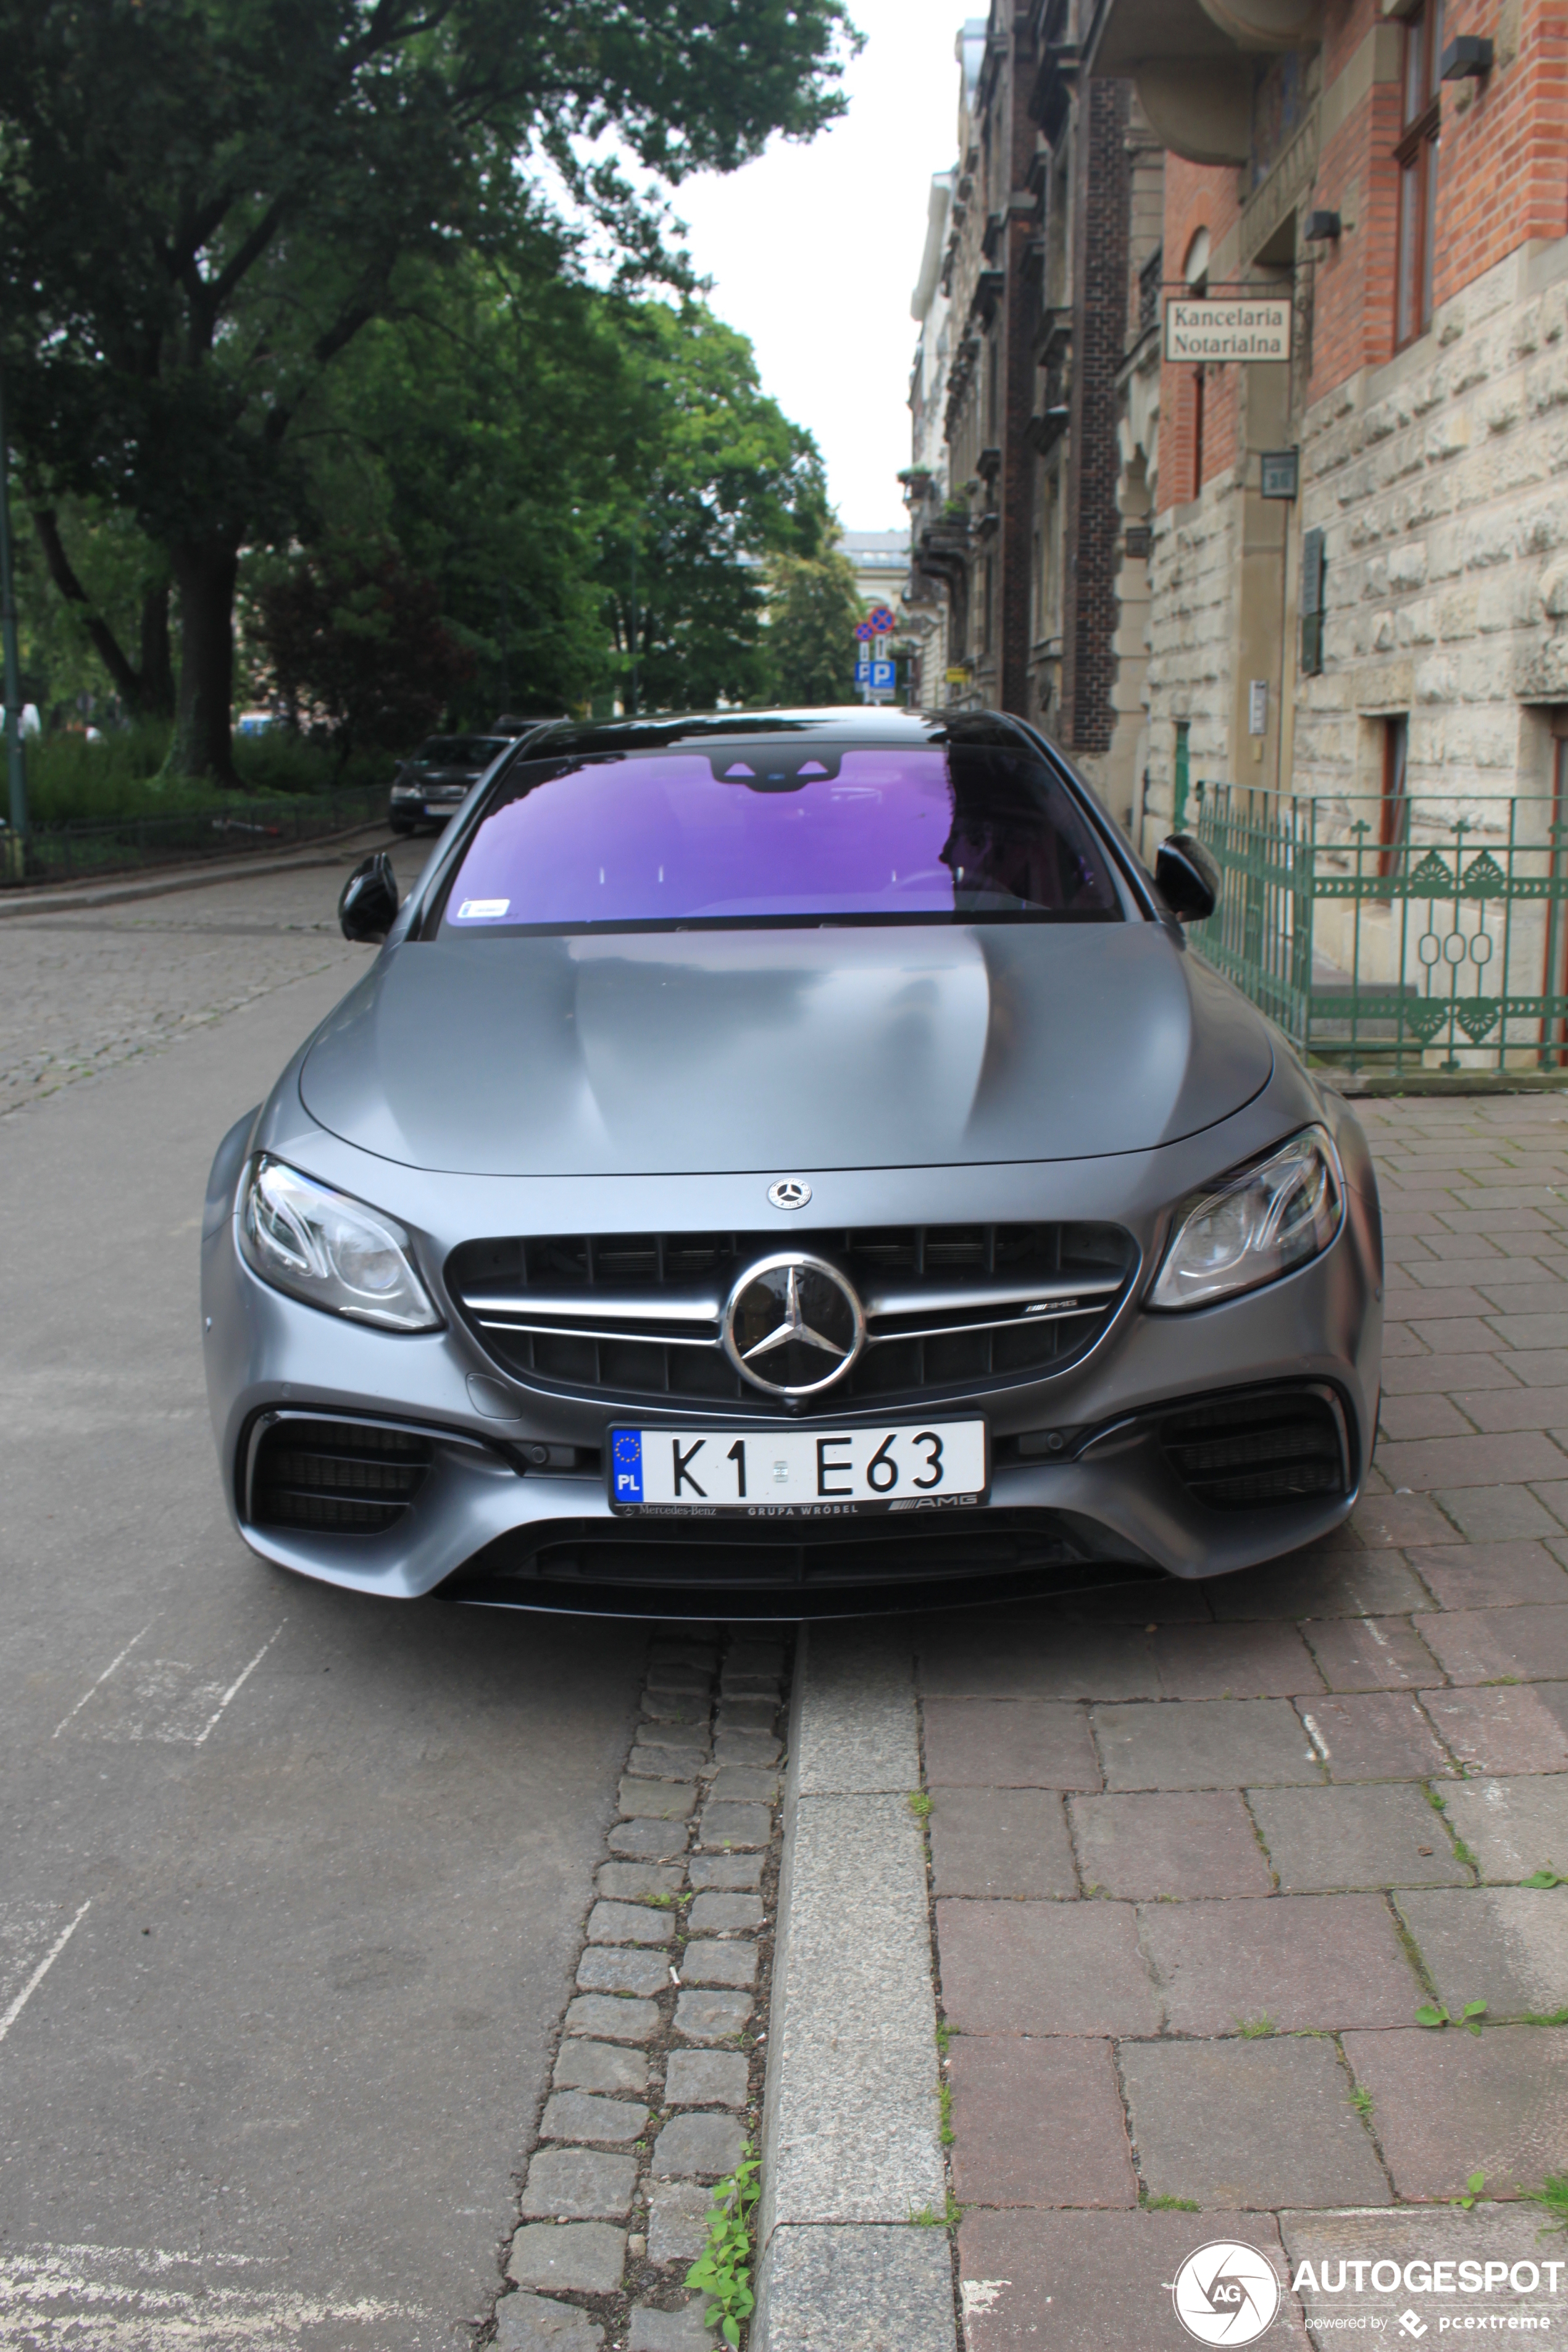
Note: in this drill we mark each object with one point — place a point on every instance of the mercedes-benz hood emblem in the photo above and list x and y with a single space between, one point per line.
789 1193
793 1326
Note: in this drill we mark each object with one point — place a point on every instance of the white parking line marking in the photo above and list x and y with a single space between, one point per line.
42 1970
160 1698
235 1687
103 1677
146 2299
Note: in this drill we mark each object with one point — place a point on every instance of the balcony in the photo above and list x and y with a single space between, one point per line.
1192 61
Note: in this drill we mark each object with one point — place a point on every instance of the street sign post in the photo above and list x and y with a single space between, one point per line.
876 673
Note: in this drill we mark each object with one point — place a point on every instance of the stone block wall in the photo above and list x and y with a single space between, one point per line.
1440 481
1192 643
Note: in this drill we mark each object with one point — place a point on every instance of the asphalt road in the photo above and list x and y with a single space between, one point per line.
291 1881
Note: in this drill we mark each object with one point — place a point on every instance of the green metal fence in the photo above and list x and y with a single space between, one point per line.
70 852
1394 935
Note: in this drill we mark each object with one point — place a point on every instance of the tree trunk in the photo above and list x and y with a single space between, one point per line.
206 572
157 671
128 682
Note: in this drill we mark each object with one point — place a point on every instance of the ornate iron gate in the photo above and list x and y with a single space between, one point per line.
1394 935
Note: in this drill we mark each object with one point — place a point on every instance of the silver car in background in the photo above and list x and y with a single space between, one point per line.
782 1163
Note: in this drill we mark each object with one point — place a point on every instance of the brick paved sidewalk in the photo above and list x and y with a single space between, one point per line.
1200 1852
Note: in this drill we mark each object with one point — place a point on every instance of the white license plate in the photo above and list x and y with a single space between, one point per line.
767 1474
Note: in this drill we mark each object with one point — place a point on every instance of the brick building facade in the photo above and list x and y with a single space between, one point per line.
1400 170
1030 511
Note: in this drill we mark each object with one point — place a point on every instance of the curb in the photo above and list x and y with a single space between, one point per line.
851 2121
158 881
1368 1085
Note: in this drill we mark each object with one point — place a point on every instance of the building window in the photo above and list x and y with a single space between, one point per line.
1416 155
1394 813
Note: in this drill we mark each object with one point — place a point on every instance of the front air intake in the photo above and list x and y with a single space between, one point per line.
1268 1445
339 1477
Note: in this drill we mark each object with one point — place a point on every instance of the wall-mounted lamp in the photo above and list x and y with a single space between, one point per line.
1322 228
1466 58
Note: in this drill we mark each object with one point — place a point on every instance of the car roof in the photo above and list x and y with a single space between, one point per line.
838 723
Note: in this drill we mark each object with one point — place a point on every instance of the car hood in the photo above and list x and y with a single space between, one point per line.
724 1052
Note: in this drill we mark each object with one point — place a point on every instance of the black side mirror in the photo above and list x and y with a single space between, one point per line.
368 907
1187 879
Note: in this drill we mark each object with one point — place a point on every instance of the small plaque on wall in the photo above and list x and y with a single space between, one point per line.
1281 473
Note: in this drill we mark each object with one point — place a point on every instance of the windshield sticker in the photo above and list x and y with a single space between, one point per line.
482 910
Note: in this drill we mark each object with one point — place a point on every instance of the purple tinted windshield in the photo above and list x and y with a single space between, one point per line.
749 834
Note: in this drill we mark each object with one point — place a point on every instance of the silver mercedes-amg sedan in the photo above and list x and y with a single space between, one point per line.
782 1163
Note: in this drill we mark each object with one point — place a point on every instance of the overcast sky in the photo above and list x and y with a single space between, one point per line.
815 249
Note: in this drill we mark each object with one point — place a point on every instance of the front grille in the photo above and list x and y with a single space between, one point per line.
346 1477
1274 1445
637 1314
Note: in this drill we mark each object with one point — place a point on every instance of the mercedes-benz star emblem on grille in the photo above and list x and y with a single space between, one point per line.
793 1326
789 1193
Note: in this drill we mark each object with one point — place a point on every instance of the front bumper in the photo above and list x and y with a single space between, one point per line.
491 1521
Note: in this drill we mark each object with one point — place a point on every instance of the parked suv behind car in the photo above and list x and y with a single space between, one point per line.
437 780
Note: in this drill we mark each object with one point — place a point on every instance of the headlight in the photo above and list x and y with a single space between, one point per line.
1255 1225
330 1251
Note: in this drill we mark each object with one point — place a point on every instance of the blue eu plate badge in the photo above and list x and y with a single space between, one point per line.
626 1457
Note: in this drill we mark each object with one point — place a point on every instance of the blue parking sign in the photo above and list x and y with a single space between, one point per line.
863 671
883 674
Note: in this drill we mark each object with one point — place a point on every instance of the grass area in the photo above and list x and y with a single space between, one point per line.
73 782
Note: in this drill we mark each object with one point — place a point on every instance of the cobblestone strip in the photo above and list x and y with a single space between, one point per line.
658 2070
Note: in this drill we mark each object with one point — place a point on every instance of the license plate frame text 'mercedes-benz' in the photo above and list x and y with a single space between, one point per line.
798 1473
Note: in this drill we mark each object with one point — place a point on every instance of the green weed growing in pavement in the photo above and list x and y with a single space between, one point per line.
1434 1800
722 2271
1360 2100
928 2217
1462 1854
1432 2012
660 1902
945 2095
1171 2204
1544 1877
1473 2187
1545 2017
1552 2199
920 1803
1256 2029
943 2036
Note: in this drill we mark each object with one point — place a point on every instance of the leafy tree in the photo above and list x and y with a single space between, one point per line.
478 433
358 652
204 202
814 606
88 584
115 593
719 480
